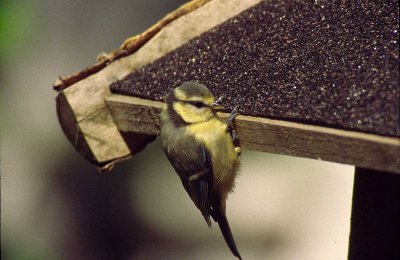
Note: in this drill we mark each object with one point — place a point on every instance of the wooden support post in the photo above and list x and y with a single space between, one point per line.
375 219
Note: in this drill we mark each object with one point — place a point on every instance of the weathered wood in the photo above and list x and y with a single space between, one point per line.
70 127
129 46
137 115
100 140
96 150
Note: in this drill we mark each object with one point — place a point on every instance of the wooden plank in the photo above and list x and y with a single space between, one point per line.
137 115
129 46
375 216
105 143
83 101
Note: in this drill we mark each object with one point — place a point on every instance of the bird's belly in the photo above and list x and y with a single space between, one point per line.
224 158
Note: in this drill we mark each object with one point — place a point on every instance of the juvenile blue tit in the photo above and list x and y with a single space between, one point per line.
203 150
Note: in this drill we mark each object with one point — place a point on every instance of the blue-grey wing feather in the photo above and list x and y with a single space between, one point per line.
193 160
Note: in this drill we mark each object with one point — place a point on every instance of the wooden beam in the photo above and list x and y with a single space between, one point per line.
92 132
137 115
82 112
129 46
375 216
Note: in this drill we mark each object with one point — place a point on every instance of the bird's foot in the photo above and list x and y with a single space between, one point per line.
219 100
231 117
231 131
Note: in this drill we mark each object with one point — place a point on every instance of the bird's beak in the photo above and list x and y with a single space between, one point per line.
217 107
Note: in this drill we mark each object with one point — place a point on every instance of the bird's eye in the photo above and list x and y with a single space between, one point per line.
198 104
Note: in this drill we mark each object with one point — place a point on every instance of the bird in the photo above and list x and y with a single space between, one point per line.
203 149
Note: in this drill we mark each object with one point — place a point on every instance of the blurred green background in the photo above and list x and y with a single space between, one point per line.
55 205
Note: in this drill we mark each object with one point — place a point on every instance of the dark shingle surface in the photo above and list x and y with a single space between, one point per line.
321 62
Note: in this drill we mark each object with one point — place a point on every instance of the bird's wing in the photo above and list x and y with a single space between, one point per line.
205 184
194 167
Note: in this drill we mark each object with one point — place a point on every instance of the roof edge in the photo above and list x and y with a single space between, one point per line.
128 47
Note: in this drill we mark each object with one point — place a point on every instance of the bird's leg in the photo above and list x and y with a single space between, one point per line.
235 140
236 144
231 131
231 117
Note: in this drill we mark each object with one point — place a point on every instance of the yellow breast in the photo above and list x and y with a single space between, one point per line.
213 135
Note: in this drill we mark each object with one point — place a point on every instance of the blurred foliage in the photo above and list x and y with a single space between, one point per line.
18 24
16 252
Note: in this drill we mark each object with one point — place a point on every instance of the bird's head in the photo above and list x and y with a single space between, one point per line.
192 102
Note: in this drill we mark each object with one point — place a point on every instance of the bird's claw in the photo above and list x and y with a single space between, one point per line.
232 116
231 131
219 100
235 109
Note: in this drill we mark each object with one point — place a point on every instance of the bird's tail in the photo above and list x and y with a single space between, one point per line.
227 233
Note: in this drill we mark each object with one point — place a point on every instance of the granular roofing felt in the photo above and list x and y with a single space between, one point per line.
322 62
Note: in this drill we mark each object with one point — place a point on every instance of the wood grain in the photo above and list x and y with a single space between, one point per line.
137 115
129 46
83 100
